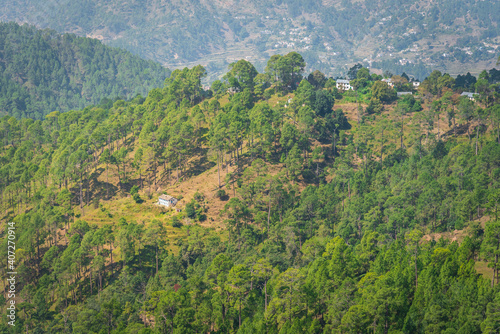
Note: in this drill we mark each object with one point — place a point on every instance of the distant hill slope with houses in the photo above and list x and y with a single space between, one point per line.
411 36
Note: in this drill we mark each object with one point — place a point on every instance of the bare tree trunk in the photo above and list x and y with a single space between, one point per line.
498 134
107 181
124 170
402 129
477 136
111 254
416 272
88 186
269 212
349 188
237 160
359 113
496 266
493 278
265 295
334 145
178 163
438 126
234 190
343 197
420 147
156 259
454 127
468 130
382 148
81 193
218 167
239 315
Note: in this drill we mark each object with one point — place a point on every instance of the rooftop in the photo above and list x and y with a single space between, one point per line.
166 197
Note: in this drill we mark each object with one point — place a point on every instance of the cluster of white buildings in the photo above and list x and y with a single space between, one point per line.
344 85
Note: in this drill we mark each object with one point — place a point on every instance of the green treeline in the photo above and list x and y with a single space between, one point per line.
42 71
326 220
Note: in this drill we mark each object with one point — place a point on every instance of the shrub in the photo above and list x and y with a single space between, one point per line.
137 198
198 197
220 193
176 222
190 210
134 190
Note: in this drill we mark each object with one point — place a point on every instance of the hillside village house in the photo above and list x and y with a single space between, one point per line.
344 85
470 95
389 82
167 201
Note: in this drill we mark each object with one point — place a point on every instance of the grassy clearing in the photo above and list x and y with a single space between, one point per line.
482 269
110 212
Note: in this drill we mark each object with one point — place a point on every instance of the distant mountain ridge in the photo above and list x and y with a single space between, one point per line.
42 71
407 35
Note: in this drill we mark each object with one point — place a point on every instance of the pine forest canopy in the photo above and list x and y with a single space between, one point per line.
409 35
42 71
305 209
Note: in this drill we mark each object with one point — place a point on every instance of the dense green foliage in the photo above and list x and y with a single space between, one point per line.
323 217
42 71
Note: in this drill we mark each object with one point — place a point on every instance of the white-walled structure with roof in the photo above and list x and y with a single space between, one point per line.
167 200
344 85
470 95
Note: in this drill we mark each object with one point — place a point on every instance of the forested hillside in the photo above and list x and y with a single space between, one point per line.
410 35
303 209
43 71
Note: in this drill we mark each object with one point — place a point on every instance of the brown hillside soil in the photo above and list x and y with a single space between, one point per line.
206 184
455 235
199 175
350 109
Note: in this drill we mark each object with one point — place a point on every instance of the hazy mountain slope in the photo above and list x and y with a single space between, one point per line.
42 71
404 35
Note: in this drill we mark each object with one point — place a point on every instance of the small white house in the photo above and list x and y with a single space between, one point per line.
389 82
404 93
167 201
470 95
344 85
416 84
